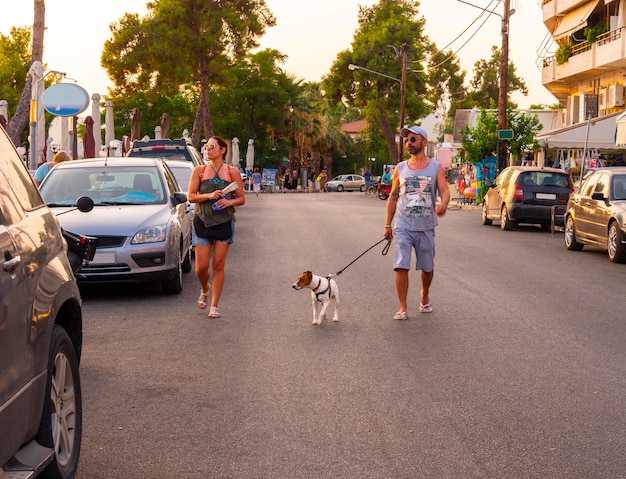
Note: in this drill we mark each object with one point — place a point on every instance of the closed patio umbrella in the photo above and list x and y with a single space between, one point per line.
109 123
89 144
250 155
97 123
234 161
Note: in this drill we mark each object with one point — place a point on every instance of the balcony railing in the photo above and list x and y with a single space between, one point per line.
582 47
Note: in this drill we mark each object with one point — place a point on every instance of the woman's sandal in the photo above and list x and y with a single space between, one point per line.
426 308
213 312
203 301
401 315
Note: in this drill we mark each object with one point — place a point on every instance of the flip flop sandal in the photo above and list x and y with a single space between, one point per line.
213 312
203 303
401 315
426 308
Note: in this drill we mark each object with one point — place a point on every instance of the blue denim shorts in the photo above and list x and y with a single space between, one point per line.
196 240
422 242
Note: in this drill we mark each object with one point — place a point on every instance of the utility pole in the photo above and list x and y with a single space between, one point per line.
504 87
402 101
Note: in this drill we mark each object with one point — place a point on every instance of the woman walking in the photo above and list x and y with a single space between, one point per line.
214 219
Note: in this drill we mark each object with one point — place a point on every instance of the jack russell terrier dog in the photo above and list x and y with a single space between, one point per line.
323 290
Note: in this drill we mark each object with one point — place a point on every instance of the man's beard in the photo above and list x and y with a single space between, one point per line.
415 148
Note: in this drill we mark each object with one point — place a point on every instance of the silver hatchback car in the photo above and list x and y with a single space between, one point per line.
141 218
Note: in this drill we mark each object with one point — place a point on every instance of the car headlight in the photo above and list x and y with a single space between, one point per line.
154 234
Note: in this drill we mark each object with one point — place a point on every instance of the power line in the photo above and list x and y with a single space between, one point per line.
472 36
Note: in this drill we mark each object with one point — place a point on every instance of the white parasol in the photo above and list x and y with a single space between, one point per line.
109 134
97 122
250 155
234 157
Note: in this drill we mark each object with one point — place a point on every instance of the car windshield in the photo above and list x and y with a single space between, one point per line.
104 185
339 178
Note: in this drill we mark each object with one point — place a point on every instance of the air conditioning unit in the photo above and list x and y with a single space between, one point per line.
616 95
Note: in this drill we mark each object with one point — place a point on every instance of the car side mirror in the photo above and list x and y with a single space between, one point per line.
180 198
84 204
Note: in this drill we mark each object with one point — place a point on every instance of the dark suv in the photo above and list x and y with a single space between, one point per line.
167 149
40 333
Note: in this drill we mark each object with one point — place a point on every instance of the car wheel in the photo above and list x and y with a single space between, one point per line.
61 420
339 188
483 217
175 285
505 221
362 188
570 236
616 249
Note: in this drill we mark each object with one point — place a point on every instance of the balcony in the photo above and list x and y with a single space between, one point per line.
586 61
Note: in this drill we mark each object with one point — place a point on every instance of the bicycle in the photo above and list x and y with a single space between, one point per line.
372 190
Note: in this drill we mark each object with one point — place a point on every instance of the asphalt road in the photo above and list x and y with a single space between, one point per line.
518 373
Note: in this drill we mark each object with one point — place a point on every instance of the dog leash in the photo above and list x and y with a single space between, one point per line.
384 252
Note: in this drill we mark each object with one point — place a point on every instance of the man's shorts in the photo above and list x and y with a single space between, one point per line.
422 242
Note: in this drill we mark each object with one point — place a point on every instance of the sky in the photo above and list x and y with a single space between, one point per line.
311 34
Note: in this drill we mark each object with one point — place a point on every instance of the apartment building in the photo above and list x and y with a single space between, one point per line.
587 72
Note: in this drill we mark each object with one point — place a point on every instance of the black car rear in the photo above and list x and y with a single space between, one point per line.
527 195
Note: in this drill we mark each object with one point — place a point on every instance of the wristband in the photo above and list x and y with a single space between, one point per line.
387 226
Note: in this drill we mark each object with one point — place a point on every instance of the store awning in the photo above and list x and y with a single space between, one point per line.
601 135
574 20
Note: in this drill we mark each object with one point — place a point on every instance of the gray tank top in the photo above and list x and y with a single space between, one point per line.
418 194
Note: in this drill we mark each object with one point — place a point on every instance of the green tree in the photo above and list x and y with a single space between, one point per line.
387 31
485 84
182 42
19 120
480 141
14 62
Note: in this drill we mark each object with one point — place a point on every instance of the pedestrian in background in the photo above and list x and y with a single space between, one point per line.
44 169
322 178
256 181
367 177
416 182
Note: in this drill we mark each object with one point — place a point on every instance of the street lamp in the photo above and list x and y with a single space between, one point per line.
402 82
503 93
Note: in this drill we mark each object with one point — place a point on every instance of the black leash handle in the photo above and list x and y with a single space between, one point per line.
384 252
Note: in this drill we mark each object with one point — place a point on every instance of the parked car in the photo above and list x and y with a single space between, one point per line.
177 149
346 183
596 214
141 218
41 329
524 194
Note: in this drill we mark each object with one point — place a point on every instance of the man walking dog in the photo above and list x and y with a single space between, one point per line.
416 183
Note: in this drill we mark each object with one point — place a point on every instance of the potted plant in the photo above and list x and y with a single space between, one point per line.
563 53
592 33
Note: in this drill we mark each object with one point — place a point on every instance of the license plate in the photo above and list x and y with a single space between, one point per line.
545 196
103 258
